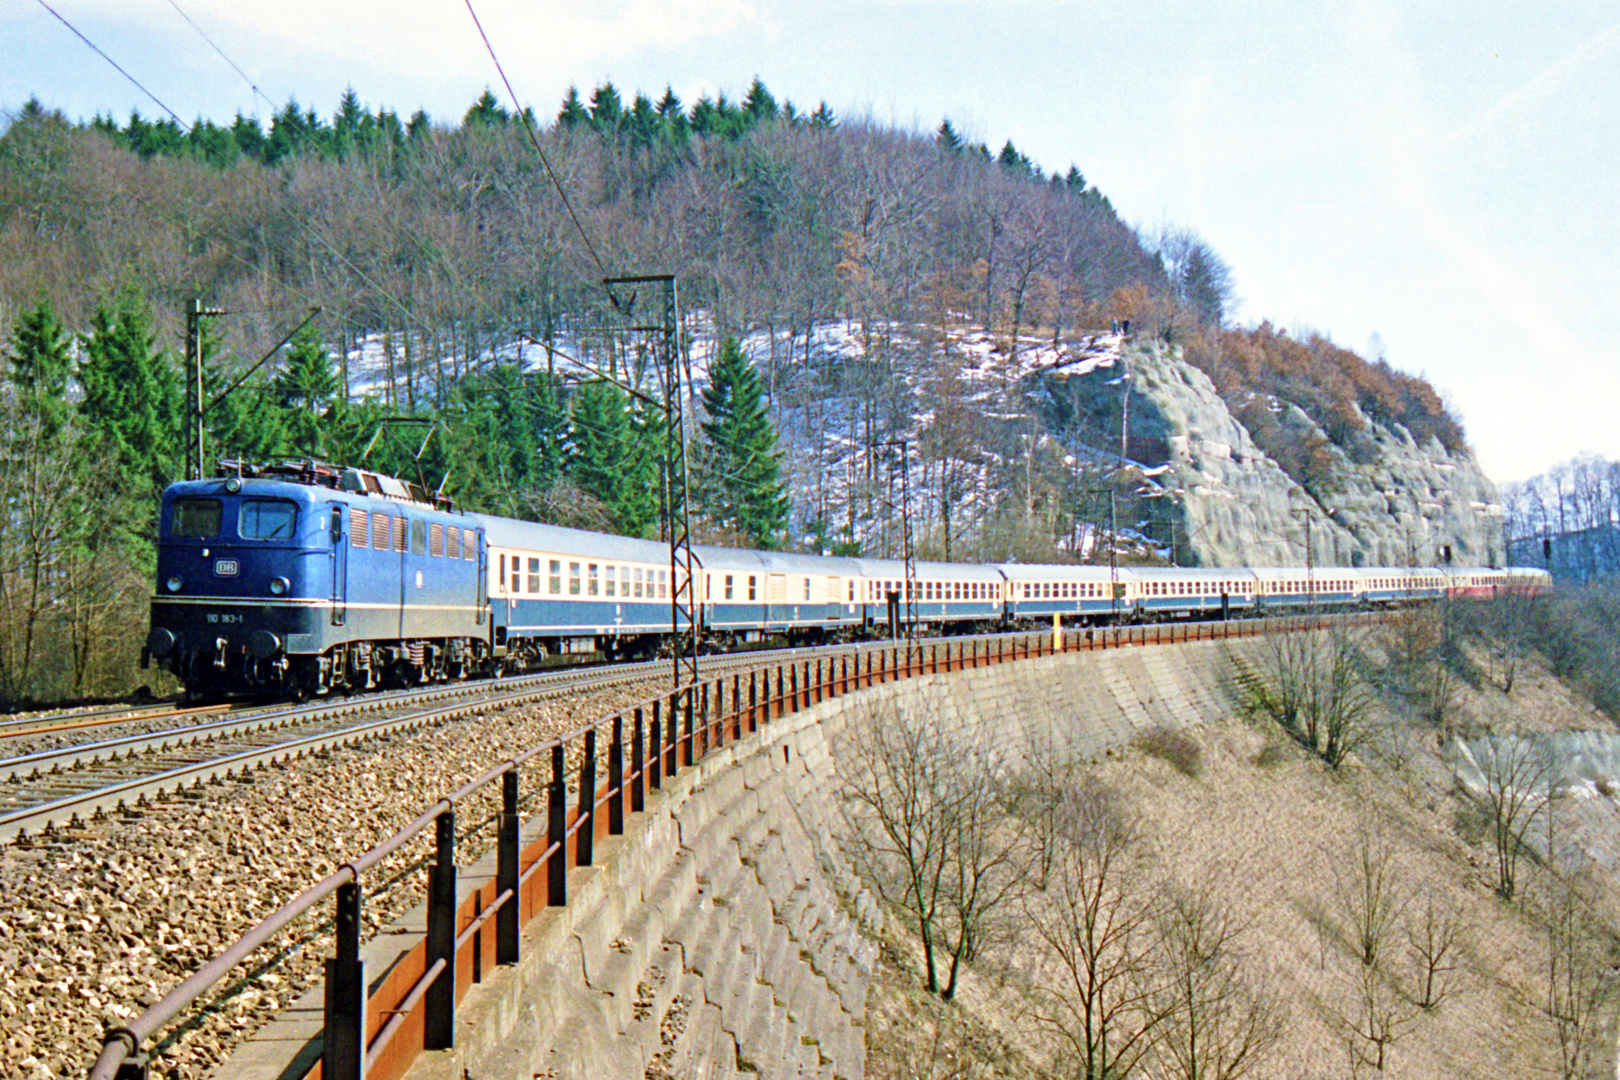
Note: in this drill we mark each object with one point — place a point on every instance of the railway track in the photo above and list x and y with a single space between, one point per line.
53 788
52 723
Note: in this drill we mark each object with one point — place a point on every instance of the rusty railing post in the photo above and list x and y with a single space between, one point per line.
753 700
705 718
691 721
507 920
616 778
638 767
655 748
736 705
557 832
793 685
585 820
439 1016
343 1046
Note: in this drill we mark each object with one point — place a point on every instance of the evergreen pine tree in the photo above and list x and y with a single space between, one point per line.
573 111
607 460
132 402
306 388
239 426
740 477
947 138
759 104
41 365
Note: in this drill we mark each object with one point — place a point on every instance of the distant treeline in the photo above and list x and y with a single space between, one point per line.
441 245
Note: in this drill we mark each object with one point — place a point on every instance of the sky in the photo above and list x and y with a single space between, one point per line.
1431 181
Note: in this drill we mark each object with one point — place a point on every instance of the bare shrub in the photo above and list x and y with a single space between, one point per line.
1175 748
1269 755
929 829
1419 642
1314 685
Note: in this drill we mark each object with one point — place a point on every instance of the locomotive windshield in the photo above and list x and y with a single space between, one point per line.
195 518
267 519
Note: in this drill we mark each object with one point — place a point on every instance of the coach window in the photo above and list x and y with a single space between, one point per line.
624 581
555 582
267 519
534 577
638 582
573 579
753 593
807 590
592 585
663 584
611 580
727 591
500 582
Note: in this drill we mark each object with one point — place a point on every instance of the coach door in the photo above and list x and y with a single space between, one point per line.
481 598
340 568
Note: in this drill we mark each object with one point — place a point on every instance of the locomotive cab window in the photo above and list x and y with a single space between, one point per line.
267 519
196 519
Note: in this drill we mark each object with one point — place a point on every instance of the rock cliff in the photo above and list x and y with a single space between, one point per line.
1392 503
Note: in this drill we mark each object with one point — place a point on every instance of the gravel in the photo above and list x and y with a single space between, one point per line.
101 921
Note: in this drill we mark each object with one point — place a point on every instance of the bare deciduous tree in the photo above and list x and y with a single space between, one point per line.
1515 776
1222 1020
1581 957
1096 991
1380 1016
1433 940
1370 898
929 830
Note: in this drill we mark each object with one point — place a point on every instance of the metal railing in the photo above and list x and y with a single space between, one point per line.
381 1034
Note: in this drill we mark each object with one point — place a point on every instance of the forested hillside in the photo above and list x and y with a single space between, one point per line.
453 285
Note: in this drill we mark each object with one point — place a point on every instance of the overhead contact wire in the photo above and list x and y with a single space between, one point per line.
96 49
234 67
528 126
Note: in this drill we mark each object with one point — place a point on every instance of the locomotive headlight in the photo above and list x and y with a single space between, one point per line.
278 586
173 584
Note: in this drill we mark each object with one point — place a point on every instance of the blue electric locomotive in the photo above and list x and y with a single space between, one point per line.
300 579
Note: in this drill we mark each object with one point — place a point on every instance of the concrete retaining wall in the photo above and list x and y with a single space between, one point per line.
723 934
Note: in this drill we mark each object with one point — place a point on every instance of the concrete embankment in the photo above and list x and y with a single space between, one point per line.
724 934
